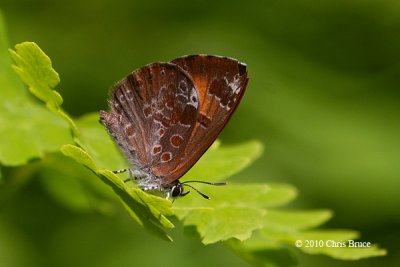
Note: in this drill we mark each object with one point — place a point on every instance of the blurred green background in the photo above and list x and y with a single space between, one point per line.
323 97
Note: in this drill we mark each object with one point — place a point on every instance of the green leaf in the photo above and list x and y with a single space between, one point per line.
241 195
283 228
35 69
219 163
216 225
149 211
79 155
28 130
235 212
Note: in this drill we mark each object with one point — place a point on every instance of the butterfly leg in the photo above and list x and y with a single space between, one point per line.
121 171
131 176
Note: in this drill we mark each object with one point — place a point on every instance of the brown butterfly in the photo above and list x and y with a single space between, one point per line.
164 116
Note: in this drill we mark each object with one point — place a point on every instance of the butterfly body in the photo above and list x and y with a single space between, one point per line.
164 116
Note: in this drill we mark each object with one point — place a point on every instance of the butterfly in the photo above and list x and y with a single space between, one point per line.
164 116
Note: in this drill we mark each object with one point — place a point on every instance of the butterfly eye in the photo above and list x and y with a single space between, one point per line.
176 190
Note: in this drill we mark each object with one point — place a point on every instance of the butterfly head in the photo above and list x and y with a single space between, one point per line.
177 190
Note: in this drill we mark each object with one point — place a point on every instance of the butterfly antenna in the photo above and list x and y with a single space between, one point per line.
201 182
198 191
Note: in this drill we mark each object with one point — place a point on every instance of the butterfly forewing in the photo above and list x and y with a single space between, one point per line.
220 83
157 108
